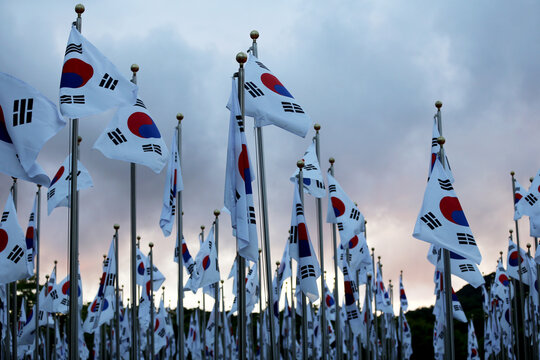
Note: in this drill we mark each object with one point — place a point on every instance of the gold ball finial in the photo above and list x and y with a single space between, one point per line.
151 244
373 249
300 164
379 257
441 140
179 117
317 127
254 35
369 276
222 281
511 231
278 263
365 221
138 238
39 185
260 251
134 68
438 104
116 226
79 8
79 140
530 179
512 173
46 276
241 58
203 227
331 160
216 212
528 245
163 288
55 262
500 252
104 256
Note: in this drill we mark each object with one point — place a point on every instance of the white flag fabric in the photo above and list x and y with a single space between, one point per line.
58 194
519 193
61 295
173 185
27 326
308 265
313 179
30 238
330 303
206 271
529 204
381 295
441 220
351 296
13 252
90 83
501 283
270 103
459 266
457 310
160 328
238 183
343 211
51 297
27 121
472 343
143 273
435 148
187 260
132 135
527 265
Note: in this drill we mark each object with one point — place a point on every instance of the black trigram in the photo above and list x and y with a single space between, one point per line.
251 214
190 268
293 235
172 197
446 185
108 82
106 262
252 89
319 184
309 167
332 188
340 226
434 142
117 137
431 220
299 210
40 315
75 99
16 254
73 48
22 111
31 217
240 122
466 267
152 148
352 314
29 257
68 177
50 194
109 281
523 270
531 199
465 239
161 333
140 103
176 252
65 302
292 107
307 271
355 214
261 65
54 294
5 215
457 307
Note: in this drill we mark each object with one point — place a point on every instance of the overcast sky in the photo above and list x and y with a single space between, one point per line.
368 71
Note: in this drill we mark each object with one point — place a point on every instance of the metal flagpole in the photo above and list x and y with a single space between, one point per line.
54 317
37 216
241 58
46 351
318 201
376 320
449 333
133 223
339 348
179 236
223 328
264 209
152 320
300 165
520 260
400 322
293 314
13 292
368 322
383 315
203 314
536 346
216 288
532 312
117 294
261 340
74 229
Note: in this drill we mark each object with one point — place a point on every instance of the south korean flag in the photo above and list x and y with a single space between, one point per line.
132 135
343 212
459 266
441 220
59 187
313 179
270 103
529 204
90 84
13 252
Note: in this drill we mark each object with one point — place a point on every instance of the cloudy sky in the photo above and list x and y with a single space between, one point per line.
368 71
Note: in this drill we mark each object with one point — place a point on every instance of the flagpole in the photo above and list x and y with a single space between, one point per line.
300 165
216 287
133 223
117 294
241 58
261 340
152 320
368 321
54 315
179 236
13 292
223 319
520 260
37 216
339 349
376 344
203 314
537 275
402 357
264 207
293 314
532 312
74 229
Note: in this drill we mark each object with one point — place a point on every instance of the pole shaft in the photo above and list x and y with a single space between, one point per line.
74 246
14 306
117 297
152 320
179 237
303 296
293 315
339 348
216 294
37 216
133 243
